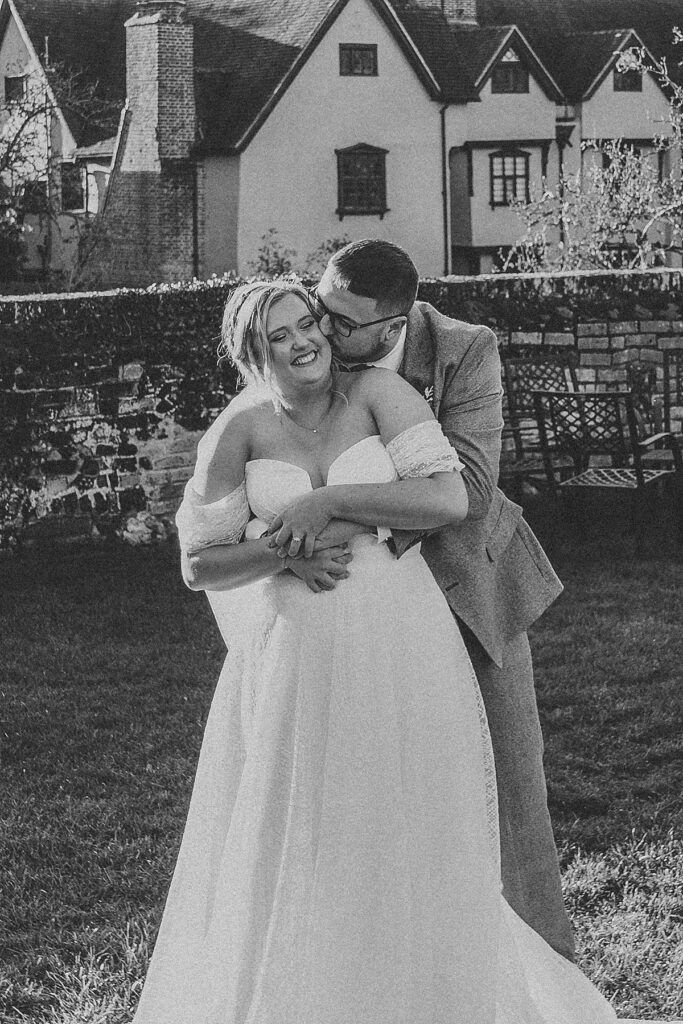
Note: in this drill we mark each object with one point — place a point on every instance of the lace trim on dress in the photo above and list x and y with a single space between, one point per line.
421 450
202 525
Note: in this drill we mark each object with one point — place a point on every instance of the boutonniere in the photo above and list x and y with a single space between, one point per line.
429 395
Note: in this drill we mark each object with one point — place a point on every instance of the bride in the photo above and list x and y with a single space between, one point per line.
340 859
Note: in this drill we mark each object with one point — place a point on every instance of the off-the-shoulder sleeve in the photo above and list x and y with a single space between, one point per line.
421 450
202 525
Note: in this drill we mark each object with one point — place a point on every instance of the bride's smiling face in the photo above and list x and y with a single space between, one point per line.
300 354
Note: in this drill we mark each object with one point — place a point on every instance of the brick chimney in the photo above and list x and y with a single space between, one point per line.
160 77
460 12
151 213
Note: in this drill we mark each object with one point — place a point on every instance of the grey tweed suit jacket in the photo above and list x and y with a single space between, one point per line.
491 568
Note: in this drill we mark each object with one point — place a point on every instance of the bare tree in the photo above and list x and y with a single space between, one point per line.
31 153
624 208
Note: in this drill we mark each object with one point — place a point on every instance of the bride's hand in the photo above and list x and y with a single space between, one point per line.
295 530
324 569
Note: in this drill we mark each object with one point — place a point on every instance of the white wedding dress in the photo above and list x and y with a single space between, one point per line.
340 859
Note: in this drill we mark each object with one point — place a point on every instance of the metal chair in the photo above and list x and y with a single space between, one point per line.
641 382
583 426
672 405
522 457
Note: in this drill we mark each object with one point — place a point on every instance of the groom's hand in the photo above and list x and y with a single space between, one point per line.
340 531
295 530
324 569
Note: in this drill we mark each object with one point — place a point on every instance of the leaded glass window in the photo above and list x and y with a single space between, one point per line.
362 185
509 177
358 59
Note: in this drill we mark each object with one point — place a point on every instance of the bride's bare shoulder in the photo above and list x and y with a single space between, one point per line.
225 447
237 421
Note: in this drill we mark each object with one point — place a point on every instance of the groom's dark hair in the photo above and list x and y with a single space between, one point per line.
377 270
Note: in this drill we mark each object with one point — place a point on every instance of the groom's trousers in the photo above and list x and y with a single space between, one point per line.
529 863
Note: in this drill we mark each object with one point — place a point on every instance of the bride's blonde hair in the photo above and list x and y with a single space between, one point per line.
243 333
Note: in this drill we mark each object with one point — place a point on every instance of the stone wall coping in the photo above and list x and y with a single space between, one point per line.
163 288
551 275
216 282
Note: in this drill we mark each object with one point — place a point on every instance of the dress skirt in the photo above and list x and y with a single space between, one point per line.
340 861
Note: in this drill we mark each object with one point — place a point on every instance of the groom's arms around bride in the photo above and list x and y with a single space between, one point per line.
467 401
466 397
471 417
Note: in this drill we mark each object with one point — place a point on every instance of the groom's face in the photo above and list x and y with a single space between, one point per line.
351 343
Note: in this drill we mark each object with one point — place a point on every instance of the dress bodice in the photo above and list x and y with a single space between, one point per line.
272 484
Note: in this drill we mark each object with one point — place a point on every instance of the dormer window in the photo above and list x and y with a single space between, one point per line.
628 81
358 59
510 75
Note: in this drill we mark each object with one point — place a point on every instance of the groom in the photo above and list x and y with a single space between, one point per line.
491 569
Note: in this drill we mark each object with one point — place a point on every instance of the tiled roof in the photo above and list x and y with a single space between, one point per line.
437 44
102 150
584 55
548 24
478 46
86 36
245 49
242 53
457 55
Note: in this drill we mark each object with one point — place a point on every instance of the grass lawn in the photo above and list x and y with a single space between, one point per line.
107 668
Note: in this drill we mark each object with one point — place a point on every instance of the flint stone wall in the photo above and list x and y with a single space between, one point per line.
104 396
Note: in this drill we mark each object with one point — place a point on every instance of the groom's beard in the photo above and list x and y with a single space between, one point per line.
352 352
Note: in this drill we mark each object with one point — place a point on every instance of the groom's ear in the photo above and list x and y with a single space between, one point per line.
395 326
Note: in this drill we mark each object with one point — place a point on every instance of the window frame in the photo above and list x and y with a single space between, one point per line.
517 69
344 208
637 146
23 79
634 146
503 154
661 165
347 49
80 208
623 77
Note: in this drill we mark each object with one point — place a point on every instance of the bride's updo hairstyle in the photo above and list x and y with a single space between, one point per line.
243 334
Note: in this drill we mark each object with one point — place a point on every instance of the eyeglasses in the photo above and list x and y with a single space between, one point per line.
339 323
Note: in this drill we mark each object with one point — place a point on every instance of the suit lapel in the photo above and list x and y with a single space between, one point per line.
419 365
